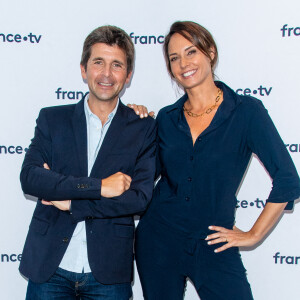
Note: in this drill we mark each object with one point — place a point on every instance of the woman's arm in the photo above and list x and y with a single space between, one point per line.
238 238
264 140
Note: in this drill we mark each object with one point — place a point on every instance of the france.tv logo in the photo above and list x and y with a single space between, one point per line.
293 148
70 95
257 203
286 259
259 91
10 257
12 149
146 39
18 38
289 31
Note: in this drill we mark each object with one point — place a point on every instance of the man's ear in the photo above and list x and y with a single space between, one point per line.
128 77
83 72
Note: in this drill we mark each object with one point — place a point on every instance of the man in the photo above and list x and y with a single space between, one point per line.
100 155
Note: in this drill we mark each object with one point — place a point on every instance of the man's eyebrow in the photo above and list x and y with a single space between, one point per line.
115 61
97 58
119 62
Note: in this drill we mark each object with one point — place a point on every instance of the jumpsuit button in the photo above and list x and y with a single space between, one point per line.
187 198
190 179
191 157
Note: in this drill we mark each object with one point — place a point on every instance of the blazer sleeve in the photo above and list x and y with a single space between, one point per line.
133 201
266 143
46 184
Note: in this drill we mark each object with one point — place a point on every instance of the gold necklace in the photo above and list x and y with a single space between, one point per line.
208 111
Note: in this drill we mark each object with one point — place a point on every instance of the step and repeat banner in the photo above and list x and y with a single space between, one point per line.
259 46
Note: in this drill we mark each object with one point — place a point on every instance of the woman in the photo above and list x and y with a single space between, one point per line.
205 141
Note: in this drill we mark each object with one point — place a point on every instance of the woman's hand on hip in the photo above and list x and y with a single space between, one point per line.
238 238
231 237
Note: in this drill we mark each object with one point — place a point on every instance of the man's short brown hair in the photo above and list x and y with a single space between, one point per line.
110 35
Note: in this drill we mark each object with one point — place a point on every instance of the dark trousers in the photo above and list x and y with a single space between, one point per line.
165 260
65 285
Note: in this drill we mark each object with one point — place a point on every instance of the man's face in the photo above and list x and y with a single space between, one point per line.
106 72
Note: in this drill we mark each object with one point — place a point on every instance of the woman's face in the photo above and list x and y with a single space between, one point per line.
189 66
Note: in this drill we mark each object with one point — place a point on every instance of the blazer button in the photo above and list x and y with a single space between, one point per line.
78 186
65 239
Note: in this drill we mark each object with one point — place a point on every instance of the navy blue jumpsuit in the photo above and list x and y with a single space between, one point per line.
198 188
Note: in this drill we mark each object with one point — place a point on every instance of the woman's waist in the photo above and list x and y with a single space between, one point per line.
185 225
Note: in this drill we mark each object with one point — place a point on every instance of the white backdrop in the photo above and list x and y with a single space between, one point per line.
41 43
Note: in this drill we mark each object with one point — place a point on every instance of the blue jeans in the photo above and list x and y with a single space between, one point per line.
65 285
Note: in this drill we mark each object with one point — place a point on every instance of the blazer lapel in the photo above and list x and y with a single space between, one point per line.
80 133
115 129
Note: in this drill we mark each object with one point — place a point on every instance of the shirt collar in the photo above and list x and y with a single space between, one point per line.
89 113
230 99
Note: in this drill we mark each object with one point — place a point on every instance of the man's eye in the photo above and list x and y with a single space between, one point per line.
98 62
117 65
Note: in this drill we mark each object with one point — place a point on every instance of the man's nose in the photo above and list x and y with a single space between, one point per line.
106 70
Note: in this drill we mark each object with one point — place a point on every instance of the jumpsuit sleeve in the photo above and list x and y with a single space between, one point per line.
264 140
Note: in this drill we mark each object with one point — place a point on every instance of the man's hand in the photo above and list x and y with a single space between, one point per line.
61 205
115 185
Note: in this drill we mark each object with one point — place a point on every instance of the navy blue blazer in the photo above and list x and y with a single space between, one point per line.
60 140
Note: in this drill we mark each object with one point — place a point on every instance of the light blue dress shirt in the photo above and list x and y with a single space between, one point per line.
76 258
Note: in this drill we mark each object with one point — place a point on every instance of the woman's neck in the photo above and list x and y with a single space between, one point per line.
202 96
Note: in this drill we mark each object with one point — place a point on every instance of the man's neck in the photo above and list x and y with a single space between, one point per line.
102 109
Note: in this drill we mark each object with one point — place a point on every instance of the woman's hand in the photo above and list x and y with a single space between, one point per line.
239 238
232 238
141 110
